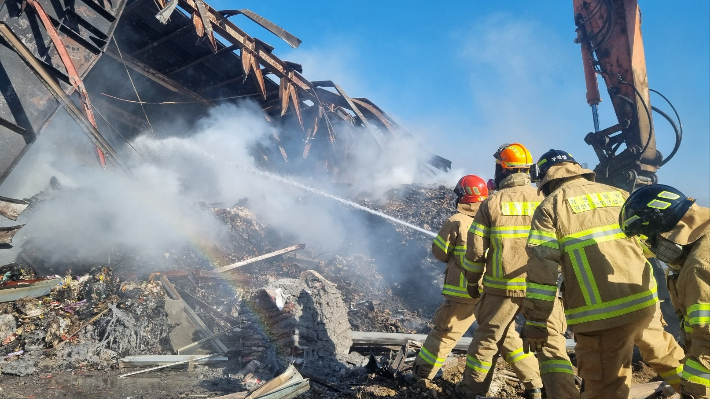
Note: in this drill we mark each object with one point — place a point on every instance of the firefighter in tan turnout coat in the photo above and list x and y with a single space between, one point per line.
678 233
609 292
497 240
456 314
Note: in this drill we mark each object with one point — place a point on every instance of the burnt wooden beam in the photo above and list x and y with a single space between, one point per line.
155 76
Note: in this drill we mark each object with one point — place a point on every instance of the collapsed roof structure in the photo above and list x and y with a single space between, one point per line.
183 53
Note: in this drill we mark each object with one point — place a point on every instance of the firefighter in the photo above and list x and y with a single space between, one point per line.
677 231
497 240
454 317
609 292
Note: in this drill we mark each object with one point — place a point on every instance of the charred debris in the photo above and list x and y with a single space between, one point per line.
270 319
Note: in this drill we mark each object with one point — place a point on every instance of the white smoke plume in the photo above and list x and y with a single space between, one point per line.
153 213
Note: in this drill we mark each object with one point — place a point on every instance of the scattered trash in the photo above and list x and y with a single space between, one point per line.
18 353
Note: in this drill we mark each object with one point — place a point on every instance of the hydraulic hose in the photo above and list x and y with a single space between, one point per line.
678 129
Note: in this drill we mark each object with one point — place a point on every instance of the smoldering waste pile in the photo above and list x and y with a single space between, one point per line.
290 309
33 330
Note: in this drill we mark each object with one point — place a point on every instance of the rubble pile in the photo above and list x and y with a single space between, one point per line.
53 333
306 317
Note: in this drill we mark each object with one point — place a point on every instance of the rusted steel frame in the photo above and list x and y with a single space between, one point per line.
222 83
162 40
63 99
206 24
201 59
234 35
11 126
377 135
369 108
155 76
622 57
280 32
74 77
99 9
390 121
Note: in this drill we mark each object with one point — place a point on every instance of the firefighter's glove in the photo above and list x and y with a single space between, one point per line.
534 336
473 291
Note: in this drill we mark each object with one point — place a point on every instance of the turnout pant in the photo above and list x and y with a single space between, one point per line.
496 316
661 351
451 321
555 367
604 356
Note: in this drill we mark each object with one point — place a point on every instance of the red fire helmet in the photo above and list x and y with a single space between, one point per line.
471 188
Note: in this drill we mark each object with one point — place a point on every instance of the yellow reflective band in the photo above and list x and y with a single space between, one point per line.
455 291
479 230
673 376
516 356
543 238
513 284
658 204
668 195
585 278
593 236
458 290
473 267
556 366
686 327
431 359
478 365
698 314
695 372
542 161
617 307
587 202
541 291
442 244
630 220
497 257
518 208
510 231
538 324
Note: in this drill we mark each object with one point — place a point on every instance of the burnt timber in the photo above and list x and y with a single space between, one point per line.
197 60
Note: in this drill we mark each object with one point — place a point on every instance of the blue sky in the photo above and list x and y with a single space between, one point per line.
469 76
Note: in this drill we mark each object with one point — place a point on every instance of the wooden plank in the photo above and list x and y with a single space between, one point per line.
161 360
363 338
262 257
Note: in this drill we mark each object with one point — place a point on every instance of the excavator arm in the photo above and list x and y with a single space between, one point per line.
609 32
